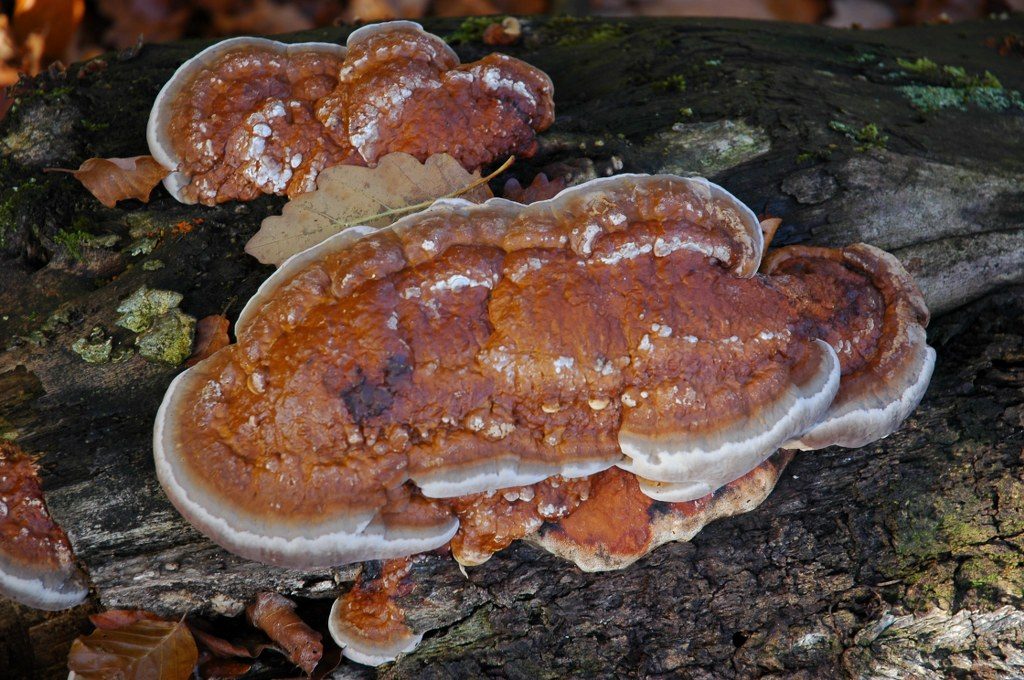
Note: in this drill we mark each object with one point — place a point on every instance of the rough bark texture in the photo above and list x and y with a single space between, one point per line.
905 557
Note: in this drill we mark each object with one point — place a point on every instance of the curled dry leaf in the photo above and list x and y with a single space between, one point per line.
116 179
211 335
114 619
142 650
348 195
275 615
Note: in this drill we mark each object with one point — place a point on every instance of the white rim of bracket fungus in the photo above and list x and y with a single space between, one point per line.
503 473
34 591
685 468
254 538
859 422
359 649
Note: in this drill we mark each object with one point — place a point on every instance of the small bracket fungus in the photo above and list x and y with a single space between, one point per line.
37 567
476 374
249 116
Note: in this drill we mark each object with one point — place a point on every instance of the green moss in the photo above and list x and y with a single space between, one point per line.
93 126
169 340
72 241
18 204
141 309
867 137
472 29
920 65
686 112
676 83
569 31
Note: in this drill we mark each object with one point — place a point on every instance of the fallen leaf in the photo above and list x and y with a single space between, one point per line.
211 335
275 615
56 21
143 650
348 195
506 32
113 619
540 189
223 669
117 179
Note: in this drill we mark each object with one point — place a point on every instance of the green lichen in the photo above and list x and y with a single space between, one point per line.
95 348
142 308
142 246
710 147
954 88
712 62
471 30
686 112
169 339
928 98
153 265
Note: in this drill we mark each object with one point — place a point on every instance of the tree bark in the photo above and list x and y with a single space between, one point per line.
904 557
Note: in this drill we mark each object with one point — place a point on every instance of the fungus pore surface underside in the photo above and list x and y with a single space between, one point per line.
249 116
474 374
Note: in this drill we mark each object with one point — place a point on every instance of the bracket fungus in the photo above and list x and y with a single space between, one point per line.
37 567
249 116
476 374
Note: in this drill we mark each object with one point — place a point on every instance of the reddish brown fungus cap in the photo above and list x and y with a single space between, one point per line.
249 116
619 523
864 304
384 377
37 567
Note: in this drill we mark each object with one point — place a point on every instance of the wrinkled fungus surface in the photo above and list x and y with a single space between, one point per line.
250 116
466 372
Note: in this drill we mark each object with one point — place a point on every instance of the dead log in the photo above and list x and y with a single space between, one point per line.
906 556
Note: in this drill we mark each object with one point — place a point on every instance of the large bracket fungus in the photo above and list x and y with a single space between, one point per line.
476 374
37 566
249 116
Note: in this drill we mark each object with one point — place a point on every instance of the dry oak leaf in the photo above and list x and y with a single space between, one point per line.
118 179
143 650
349 195
211 335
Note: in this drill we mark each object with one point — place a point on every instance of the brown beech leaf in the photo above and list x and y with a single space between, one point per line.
540 189
143 650
117 179
211 335
348 195
275 615
114 619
